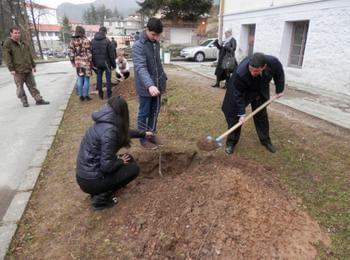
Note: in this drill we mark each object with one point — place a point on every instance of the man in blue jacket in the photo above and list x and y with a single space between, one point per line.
150 78
250 84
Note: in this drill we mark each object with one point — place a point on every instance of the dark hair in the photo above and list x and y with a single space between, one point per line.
14 28
121 110
155 25
257 60
103 29
79 31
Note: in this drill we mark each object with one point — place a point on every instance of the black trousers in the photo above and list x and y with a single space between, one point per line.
261 123
110 182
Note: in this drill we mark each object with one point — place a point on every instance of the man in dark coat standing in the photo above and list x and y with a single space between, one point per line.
150 78
103 59
250 84
227 48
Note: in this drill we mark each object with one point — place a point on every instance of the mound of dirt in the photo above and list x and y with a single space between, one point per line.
125 88
216 207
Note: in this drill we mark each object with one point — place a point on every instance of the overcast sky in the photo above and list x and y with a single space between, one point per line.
55 3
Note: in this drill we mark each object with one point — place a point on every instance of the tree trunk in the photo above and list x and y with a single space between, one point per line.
36 29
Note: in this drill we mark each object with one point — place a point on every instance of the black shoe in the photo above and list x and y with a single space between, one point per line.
269 147
42 102
88 98
100 95
215 86
81 98
25 104
229 149
103 201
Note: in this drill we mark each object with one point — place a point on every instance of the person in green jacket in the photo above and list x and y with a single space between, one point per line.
19 60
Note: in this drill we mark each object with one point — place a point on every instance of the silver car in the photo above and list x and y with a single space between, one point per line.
206 50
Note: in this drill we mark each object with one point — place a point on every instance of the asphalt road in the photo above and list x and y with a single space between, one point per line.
23 129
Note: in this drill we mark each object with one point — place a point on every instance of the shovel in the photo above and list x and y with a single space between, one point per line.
210 143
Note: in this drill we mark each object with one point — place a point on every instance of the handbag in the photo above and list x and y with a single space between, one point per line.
228 62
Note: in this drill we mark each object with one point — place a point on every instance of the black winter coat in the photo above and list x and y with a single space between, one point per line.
98 149
243 88
230 46
103 52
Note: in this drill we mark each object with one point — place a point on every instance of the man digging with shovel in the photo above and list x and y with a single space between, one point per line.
250 84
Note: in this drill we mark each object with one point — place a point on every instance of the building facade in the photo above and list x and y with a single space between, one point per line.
118 26
310 37
46 21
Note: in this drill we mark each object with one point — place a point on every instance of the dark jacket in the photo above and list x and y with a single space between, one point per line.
103 52
230 47
18 56
97 155
243 88
147 66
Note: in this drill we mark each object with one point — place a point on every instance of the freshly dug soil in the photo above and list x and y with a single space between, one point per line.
206 144
204 207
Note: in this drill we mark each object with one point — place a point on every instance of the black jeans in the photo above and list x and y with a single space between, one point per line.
108 81
261 122
110 181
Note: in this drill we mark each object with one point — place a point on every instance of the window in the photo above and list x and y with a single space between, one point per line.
247 39
50 33
298 43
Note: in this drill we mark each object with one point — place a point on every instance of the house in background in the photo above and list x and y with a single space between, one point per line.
47 25
49 35
178 32
90 29
310 37
119 26
114 25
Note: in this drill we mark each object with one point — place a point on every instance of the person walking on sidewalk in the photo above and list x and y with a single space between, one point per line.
21 65
150 78
100 172
227 61
250 84
103 58
81 59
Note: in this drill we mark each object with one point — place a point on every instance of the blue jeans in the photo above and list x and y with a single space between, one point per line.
83 85
148 114
108 81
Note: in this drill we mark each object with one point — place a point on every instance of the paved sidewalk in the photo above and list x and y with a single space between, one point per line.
27 135
330 106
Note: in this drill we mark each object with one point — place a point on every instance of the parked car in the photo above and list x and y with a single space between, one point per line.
60 54
206 50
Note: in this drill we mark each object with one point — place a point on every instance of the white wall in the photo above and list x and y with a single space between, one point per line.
237 6
327 52
43 15
180 35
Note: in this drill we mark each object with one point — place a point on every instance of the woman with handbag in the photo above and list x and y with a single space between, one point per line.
227 61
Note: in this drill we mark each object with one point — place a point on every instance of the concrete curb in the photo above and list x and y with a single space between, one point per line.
14 213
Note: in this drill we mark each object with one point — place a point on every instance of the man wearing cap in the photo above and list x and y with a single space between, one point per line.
250 84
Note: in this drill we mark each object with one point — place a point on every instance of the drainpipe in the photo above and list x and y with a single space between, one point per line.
221 20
